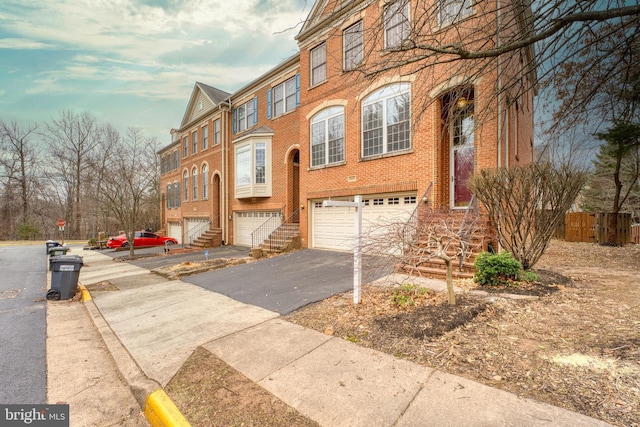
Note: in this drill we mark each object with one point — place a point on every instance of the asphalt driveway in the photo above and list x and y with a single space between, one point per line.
283 283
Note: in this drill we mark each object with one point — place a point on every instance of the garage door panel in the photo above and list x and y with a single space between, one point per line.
333 226
175 230
246 223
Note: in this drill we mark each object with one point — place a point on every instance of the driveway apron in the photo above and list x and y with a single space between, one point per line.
283 283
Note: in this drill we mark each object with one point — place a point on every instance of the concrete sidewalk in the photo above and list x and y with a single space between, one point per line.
332 381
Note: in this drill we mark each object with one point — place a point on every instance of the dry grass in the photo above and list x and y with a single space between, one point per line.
577 347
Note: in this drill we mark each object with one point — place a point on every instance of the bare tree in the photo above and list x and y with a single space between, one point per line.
514 44
18 166
428 237
128 190
71 139
526 204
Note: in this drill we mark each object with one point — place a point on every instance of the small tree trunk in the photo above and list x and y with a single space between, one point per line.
451 294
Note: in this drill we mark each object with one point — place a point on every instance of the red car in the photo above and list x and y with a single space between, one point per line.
143 238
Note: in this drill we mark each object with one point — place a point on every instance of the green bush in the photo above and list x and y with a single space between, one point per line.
496 269
27 231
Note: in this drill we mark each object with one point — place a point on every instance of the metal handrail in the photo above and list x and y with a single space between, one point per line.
188 236
465 234
411 224
261 233
280 235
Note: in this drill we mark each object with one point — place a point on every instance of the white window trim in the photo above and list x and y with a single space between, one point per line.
216 132
406 11
330 112
194 183
313 67
465 10
253 189
205 136
344 46
405 88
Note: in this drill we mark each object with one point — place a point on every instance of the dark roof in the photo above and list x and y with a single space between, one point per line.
216 95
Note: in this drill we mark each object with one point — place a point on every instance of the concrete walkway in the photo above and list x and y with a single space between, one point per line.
332 381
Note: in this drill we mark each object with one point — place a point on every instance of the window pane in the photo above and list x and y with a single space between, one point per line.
353 54
336 139
216 132
260 163
278 100
318 136
241 123
250 113
452 10
372 129
398 123
290 90
243 165
205 182
319 64
205 137
396 19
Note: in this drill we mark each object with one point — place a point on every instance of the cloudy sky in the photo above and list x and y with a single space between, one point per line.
135 62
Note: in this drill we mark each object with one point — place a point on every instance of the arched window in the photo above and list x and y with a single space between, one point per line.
185 183
327 137
205 182
386 120
194 181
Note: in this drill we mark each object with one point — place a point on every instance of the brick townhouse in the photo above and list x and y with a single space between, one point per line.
327 124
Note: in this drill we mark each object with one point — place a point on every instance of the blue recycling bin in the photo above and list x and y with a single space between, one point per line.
65 271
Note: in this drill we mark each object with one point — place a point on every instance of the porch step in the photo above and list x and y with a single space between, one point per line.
211 238
483 233
284 238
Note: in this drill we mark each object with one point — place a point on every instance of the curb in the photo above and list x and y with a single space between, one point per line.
158 407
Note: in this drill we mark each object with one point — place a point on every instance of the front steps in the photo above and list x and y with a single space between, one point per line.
481 234
211 238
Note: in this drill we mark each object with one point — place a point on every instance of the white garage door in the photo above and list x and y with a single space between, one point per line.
175 231
332 227
195 227
246 222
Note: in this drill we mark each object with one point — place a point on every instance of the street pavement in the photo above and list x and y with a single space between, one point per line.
22 316
159 323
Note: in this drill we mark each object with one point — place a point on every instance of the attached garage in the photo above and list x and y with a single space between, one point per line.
175 230
245 223
195 227
332 227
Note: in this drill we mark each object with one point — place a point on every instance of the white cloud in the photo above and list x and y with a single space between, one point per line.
22 44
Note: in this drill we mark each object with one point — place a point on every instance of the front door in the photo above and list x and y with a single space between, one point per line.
462 156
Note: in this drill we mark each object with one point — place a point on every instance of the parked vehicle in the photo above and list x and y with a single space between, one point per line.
143 238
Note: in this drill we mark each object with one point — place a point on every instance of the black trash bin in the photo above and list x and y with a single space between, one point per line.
58 250
64 276
51 244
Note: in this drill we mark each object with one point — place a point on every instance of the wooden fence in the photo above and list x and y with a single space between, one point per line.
594 228
635 234
622 232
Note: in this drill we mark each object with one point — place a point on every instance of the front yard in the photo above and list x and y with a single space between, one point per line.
576 346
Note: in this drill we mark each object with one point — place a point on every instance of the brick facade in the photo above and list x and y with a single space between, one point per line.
424 162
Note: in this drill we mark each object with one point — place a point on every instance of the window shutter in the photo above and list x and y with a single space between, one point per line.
297 89
255 111
269 104
235 111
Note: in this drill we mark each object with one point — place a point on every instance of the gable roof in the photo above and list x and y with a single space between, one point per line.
320 16
204 99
